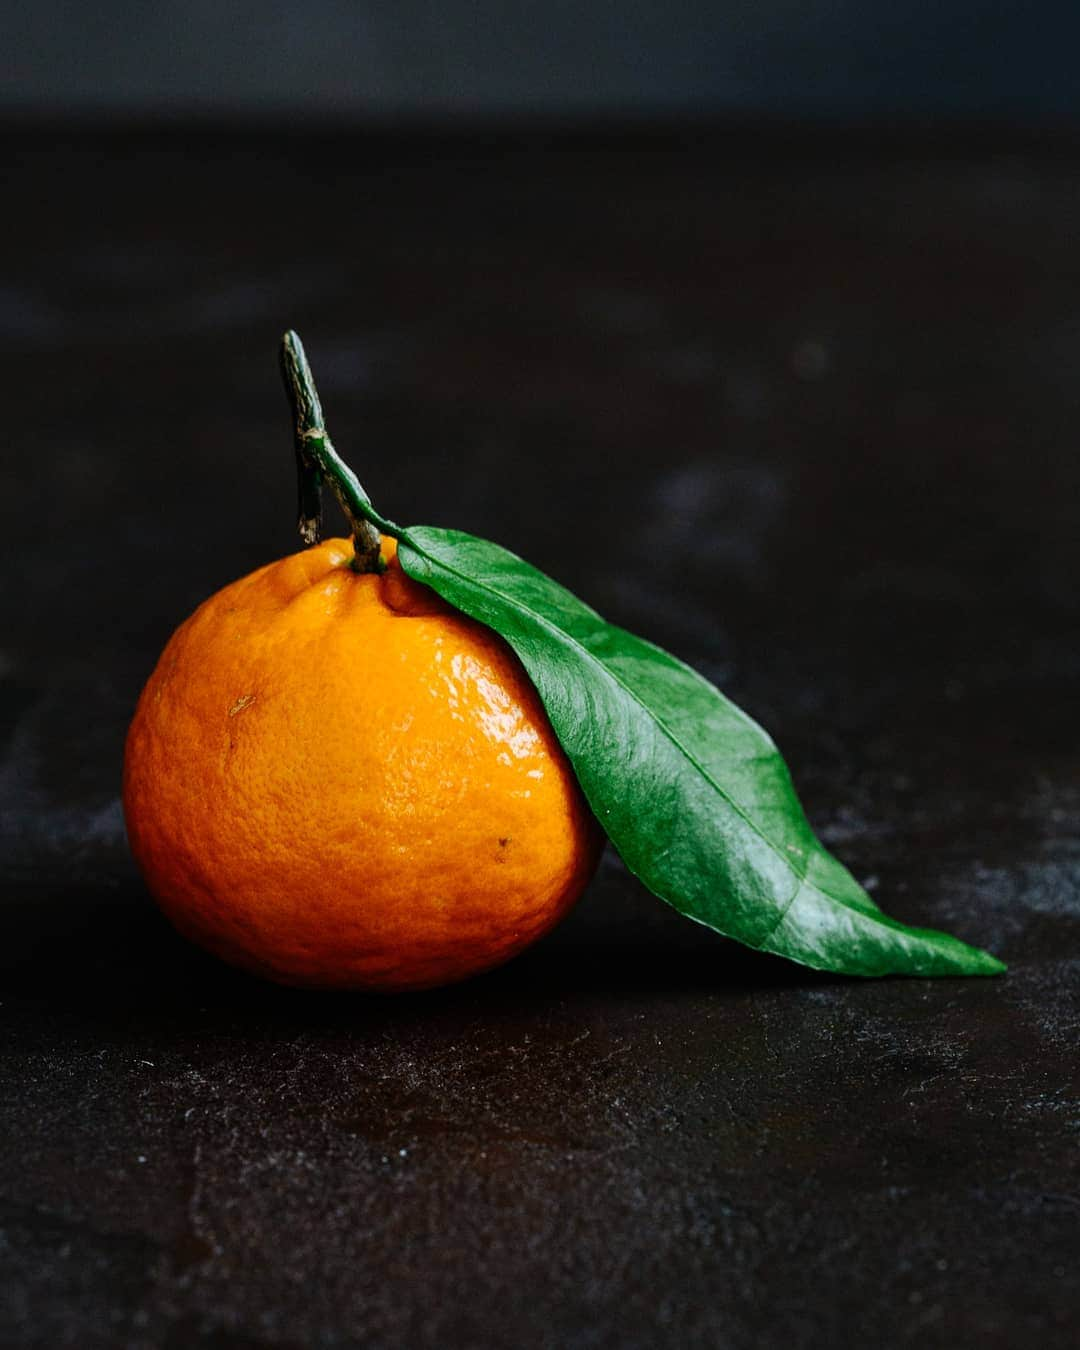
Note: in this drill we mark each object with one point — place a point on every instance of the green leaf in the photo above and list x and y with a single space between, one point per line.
692 792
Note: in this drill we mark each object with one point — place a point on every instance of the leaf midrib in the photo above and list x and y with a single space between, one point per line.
801 876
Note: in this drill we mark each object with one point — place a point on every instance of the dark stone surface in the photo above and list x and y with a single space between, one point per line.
806 414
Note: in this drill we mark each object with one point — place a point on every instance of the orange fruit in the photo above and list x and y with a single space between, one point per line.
333 778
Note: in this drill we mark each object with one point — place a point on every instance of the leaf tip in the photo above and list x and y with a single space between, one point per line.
988 964
976 961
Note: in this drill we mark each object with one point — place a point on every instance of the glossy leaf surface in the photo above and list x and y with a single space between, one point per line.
692 792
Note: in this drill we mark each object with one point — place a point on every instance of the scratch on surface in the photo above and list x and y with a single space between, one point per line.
241 703
617 1053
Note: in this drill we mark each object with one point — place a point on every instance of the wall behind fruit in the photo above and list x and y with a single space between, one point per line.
846 59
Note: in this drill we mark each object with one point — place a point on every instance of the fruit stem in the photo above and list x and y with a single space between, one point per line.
317 462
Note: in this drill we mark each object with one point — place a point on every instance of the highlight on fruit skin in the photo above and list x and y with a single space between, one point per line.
334 779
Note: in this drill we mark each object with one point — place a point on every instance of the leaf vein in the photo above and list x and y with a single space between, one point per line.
800 874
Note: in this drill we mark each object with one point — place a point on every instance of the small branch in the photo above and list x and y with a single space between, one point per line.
317 462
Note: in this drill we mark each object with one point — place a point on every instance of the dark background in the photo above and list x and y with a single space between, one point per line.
415 59
758 327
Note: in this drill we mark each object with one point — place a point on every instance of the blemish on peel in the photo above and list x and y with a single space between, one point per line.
244 701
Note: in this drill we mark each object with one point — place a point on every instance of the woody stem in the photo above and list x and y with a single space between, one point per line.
317 462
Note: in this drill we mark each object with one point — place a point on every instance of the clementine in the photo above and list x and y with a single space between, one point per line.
332 778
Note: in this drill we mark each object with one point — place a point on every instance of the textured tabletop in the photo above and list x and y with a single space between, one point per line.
806 413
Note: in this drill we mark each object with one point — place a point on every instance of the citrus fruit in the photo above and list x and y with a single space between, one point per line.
332 778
